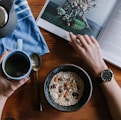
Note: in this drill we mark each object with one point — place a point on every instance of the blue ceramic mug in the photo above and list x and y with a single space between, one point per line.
17 64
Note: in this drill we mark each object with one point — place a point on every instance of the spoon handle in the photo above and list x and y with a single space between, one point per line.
38 91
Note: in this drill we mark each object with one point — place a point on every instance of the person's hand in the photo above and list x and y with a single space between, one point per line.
89 51
7 87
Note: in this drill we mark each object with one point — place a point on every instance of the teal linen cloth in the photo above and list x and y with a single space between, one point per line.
26 29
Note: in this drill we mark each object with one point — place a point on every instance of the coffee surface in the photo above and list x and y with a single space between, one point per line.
17 65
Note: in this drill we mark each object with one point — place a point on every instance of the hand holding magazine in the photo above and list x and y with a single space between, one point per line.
100 18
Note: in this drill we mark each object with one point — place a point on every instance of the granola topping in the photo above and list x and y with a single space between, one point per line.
66 88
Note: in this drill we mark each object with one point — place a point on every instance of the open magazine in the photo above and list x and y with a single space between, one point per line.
100 18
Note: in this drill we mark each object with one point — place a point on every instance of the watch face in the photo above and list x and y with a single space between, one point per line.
107 75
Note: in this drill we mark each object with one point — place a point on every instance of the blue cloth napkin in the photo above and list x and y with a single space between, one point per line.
27 30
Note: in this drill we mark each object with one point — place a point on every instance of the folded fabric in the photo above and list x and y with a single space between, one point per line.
27 30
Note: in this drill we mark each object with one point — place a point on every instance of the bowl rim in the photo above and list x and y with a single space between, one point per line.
52 102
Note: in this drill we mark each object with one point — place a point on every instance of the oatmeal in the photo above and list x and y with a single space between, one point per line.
66 88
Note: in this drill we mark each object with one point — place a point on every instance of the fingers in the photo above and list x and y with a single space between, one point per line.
87 39
3 55
94 41
16 84
72 36
79 41
23 81
83 40
75 43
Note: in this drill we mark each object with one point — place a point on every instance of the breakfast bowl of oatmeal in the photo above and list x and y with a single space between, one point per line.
68 87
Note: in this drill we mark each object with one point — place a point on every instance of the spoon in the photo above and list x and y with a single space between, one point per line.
36 63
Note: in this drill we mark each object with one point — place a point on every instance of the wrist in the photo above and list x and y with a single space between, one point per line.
99 69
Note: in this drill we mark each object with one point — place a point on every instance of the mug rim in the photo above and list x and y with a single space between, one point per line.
20 77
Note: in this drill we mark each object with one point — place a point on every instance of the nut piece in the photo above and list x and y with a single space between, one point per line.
56 79
66 95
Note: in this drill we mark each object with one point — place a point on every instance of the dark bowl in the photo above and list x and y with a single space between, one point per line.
87 87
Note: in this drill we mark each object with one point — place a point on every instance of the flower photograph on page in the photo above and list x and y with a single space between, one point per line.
70 16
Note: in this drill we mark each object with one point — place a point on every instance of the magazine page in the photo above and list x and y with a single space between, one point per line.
77 16
110 38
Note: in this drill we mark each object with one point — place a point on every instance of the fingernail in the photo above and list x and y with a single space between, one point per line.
71 33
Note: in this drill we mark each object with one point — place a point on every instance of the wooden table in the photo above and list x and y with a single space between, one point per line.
23 106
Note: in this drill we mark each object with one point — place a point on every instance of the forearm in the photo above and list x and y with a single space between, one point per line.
89 51
2 103
112 93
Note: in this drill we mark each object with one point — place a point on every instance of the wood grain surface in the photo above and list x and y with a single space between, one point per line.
23 104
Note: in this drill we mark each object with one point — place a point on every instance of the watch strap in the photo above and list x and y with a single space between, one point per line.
99 80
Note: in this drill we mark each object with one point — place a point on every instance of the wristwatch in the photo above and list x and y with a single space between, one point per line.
105 76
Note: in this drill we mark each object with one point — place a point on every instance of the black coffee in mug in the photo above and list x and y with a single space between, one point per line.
17 65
